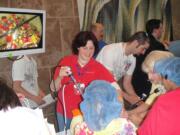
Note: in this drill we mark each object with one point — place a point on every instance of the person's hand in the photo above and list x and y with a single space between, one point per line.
56 84
41 93
20 96
64 71
130 98
39 100
166 43
124 113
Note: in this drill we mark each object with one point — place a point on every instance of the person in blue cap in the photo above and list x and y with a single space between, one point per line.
137 115
163 118
102 111
174 47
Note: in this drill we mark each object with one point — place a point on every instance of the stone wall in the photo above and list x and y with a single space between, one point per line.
62 24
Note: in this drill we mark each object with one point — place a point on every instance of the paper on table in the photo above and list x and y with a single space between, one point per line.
48 100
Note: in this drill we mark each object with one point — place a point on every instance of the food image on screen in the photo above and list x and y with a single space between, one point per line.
19 31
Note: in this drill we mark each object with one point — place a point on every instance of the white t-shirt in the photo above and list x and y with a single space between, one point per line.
22 121
114 59
25 70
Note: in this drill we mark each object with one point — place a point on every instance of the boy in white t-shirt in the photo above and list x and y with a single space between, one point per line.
24 75
119 60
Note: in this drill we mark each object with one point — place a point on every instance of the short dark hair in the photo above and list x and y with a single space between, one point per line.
8 97
81 39
152 24
140 36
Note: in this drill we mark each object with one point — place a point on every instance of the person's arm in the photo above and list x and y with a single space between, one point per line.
59 73
153 120
137 119
140 109
19 89
130 94
120 98
138 114
41 93
119 91
55 84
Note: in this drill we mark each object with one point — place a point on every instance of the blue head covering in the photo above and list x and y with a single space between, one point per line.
100 105
174 48
169 68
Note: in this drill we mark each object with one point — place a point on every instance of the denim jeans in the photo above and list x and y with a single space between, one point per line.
61 122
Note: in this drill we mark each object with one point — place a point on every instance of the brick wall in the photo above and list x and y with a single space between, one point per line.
62 24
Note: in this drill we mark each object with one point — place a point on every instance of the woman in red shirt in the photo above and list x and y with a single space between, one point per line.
83 68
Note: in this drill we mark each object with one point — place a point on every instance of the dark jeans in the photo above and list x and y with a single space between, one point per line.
61 122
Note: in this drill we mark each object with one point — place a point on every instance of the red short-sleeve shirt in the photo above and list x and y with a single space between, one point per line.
90 72
163 118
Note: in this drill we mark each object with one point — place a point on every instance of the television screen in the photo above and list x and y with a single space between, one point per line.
22 31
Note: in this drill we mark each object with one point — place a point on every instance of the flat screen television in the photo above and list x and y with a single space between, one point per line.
22 31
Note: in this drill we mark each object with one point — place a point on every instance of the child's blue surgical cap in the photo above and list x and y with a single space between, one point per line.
169 68
100 105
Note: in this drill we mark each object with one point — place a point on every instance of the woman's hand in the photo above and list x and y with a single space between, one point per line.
64 71
56 84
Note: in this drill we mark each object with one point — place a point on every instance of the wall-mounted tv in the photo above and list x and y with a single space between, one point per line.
22 31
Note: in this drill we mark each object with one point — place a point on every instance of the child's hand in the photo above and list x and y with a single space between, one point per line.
20 96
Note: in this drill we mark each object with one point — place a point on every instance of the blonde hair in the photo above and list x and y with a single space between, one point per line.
152 57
